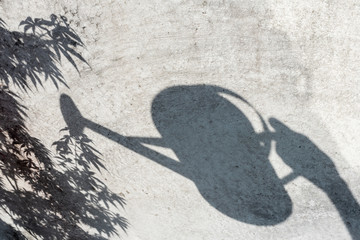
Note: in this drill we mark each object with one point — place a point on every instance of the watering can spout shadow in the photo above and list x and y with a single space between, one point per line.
77 123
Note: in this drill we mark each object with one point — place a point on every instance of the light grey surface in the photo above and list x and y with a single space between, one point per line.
297 62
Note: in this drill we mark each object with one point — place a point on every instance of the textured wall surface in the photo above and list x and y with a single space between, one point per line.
215 119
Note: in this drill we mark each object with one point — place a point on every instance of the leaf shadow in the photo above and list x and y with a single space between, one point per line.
49 197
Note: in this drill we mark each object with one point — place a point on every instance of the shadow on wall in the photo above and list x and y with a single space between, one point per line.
222 154
27 57
50 199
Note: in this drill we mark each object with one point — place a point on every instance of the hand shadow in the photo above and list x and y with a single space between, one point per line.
307 160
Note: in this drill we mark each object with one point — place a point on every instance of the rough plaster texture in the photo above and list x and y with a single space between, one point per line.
297 62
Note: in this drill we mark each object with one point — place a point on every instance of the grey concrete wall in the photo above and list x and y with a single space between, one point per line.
201 163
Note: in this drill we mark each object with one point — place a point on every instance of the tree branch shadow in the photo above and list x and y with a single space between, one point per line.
27 57
49 197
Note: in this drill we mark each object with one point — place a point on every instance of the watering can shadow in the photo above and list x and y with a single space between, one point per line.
217 146
220 151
